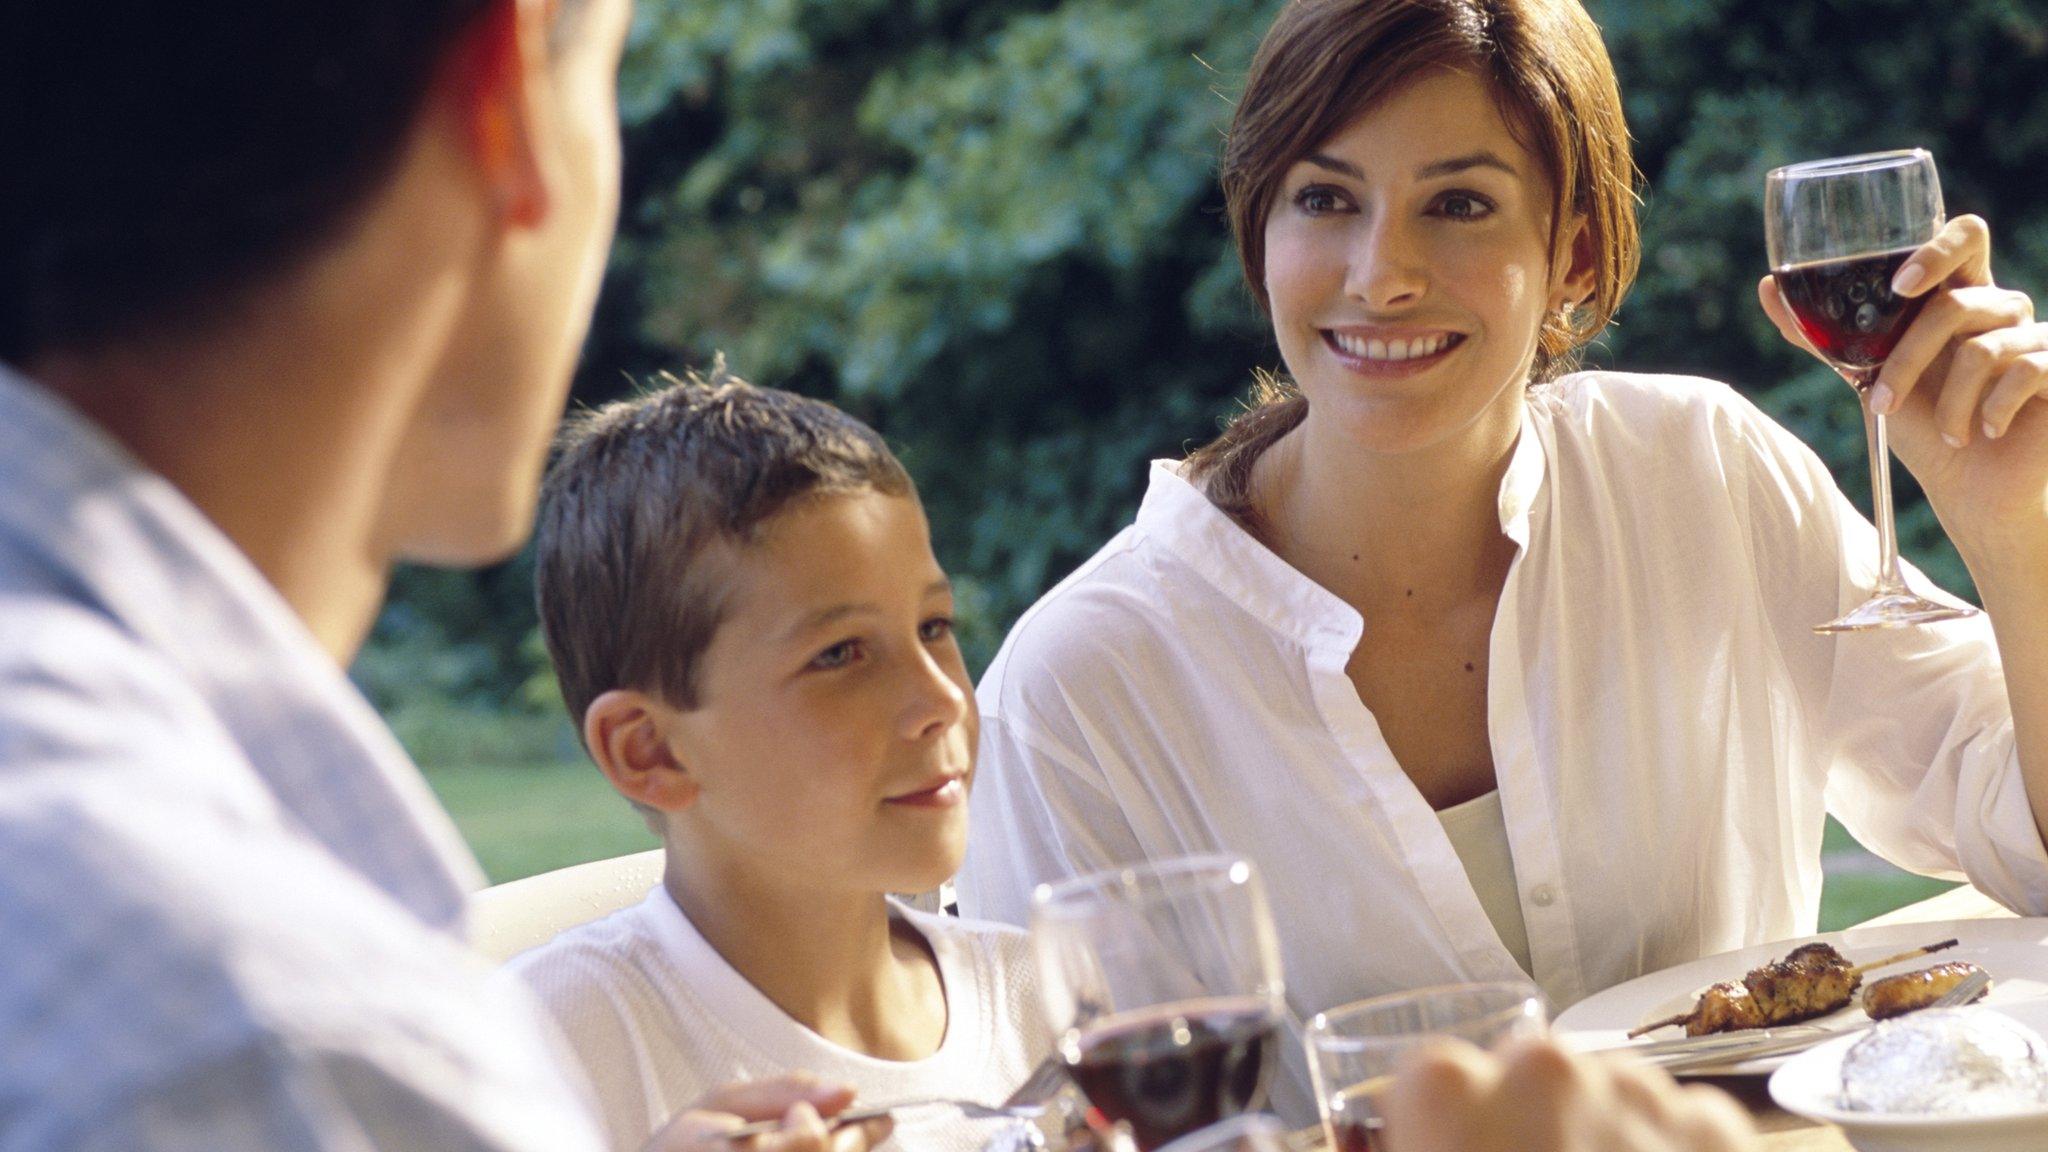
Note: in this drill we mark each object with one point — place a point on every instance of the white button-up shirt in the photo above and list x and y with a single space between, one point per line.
1667 730
230 910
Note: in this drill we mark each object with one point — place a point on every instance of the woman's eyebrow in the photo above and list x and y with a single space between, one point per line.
1465 163
1431 170
1340 167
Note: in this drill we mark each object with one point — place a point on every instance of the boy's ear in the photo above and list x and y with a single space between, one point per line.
624 732
488 84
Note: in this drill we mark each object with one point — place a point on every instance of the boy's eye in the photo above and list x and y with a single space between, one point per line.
837 656
936 629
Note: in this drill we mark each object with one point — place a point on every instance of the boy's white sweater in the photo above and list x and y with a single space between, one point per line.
657 1018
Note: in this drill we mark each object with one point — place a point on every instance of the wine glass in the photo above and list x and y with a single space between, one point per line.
1163 983
1251 1132
1353 1050
1837 231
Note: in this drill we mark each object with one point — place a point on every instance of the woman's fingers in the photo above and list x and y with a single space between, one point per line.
2024 378
1980 363
1960 312
1959 255
1780 313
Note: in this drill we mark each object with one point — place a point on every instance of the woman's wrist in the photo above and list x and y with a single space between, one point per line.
2012 556
1993 544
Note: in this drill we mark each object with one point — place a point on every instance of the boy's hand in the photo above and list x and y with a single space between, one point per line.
1536 1097
801 1102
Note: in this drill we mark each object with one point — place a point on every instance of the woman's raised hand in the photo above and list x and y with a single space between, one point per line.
1960 387
1535 1097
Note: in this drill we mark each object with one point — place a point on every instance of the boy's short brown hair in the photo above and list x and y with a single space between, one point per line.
638 501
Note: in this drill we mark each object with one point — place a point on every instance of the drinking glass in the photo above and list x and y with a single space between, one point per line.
1163 984
1353 1050
1837 230
1251 1132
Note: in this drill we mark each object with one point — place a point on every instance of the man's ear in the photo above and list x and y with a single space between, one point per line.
625 733
489 85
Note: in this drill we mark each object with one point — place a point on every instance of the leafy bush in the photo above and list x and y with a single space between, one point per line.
990 228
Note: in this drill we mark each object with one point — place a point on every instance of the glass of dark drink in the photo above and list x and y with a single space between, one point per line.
1163 984
1837 231
1353 1050
1250 1132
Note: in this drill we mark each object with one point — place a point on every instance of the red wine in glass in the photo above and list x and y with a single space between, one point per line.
1359 1135
1835 231
1353 1123
1170 1071
1847 309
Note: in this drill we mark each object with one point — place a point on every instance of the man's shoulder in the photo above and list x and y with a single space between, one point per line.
146 935
58 654
96 724
159 911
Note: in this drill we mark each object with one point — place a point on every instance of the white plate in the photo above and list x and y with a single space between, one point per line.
1810 1085
2015 952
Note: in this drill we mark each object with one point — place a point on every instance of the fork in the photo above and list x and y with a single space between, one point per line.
1781 1043
1029 1100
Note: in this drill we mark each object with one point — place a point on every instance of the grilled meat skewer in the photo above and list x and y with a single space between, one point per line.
1912 991
1725 1007
1812 980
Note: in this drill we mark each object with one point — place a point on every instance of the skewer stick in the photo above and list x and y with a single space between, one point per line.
1860 969
1681 1018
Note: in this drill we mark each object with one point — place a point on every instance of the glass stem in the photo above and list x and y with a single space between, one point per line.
1888 582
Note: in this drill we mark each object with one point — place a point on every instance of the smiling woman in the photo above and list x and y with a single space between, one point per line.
1492 668
1377 276
1552 99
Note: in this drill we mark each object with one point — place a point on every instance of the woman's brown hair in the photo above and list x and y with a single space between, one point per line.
1324 63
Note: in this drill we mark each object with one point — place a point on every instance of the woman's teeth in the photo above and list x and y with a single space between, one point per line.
1413 349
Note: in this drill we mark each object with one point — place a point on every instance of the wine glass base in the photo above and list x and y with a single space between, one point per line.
1893 610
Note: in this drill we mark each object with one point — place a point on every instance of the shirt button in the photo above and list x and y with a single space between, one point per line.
1543 895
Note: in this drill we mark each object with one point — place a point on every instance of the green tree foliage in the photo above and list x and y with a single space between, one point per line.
990 227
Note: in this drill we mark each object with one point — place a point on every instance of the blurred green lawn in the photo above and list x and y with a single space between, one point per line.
1859 885
521 819
526 818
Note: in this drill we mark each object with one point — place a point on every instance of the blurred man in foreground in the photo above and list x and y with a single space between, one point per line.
288 293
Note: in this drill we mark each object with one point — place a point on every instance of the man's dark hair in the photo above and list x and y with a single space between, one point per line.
156 158
639 501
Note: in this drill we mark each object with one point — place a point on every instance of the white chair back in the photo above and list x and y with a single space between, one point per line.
507 919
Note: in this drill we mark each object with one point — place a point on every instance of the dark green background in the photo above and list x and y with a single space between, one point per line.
990 228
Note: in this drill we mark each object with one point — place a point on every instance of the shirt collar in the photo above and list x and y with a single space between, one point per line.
1180 516
1523 482
126 542
1203 536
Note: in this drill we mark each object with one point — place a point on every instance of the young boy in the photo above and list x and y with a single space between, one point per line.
738 590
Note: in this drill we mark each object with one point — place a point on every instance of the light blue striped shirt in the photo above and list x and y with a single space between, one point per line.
230 910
